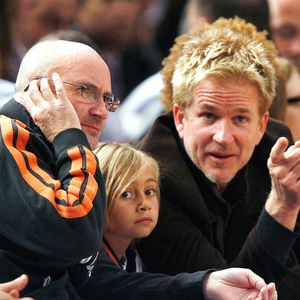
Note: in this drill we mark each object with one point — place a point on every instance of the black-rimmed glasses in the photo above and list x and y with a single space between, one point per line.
91 94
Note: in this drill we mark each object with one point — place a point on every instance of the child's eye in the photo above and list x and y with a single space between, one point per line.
150 192
126 195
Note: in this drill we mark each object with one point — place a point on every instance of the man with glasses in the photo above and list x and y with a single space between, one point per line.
53 194
52 190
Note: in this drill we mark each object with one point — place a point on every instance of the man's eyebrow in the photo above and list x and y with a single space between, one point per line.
212 107
207 106
243 110
93 86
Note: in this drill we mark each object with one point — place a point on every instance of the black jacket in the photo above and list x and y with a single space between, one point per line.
199 228
51 212
51 205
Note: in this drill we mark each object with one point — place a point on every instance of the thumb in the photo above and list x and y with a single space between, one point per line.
16 284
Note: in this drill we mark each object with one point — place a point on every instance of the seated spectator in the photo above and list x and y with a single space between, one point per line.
132 201
52 216
219 205
285 29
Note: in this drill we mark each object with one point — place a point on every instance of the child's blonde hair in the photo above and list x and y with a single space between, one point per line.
120 165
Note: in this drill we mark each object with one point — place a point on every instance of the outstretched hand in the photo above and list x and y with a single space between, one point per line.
284 167
11 290
50 109
238 284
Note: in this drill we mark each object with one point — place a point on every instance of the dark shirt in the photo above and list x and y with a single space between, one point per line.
199 228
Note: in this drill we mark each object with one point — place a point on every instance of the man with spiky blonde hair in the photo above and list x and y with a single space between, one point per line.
230 190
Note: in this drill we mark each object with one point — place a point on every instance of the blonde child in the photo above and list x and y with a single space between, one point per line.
132 203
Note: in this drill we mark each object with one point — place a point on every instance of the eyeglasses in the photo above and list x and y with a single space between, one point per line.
91 94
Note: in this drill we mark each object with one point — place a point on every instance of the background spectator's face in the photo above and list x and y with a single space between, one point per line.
221 127
110 23
36 18
285 24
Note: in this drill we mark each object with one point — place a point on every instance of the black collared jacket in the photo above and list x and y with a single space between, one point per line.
198 228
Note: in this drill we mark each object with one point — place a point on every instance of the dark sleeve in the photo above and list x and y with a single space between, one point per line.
179 245
54 204
271 233
110 282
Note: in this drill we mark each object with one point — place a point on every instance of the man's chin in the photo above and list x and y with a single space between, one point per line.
93 141
219 180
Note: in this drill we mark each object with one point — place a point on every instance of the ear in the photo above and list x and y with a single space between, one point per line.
263 125
178 115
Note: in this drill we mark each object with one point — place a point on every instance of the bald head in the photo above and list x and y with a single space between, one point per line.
46 57
79 66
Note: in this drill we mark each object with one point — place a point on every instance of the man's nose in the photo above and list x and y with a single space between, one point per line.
223 132
99 109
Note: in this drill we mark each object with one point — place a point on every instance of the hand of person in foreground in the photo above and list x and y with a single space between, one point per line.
49 106
11 290
238 284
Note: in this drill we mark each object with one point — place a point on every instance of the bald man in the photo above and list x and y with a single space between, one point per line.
53 193
52 219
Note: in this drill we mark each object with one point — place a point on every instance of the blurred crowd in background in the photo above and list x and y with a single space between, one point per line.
133 37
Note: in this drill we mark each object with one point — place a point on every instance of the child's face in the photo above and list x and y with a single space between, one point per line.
136 211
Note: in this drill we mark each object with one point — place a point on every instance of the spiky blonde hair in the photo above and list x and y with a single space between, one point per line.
227 48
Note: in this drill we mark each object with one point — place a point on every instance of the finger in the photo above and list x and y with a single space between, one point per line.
277 151
275 296
30 107
59 88
34 93
271 289
255 280
45 88
16 284
263 294
25 100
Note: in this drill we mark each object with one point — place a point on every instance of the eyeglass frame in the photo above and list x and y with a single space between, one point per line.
111 102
